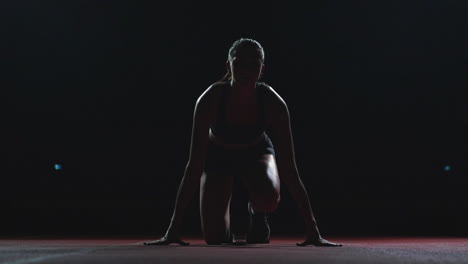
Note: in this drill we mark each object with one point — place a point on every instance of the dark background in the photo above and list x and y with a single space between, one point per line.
376 91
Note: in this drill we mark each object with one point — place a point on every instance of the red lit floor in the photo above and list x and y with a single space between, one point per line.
280 250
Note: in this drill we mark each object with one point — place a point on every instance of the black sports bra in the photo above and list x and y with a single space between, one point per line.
239 134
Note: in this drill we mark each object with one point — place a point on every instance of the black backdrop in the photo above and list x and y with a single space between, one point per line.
376 91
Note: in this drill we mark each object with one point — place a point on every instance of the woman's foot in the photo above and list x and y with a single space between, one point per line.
259 230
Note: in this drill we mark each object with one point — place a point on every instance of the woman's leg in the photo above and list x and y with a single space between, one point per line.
215 197
263 184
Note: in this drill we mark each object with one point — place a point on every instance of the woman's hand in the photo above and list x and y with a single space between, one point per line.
167 240
318 242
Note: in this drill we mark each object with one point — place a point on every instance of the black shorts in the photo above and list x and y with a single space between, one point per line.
219 158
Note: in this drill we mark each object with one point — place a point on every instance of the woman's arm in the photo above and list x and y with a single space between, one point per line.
288 172
202 117
195 164
287 168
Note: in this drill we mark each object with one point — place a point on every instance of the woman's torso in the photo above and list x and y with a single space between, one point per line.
239 120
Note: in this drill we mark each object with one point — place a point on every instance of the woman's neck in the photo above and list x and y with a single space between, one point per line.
247 90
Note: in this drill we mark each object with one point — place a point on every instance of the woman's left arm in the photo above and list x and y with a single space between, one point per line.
288 173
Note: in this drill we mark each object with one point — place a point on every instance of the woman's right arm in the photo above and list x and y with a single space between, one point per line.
195 165
202 117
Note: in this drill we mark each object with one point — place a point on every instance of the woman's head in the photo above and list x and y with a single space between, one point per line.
246 45
245 61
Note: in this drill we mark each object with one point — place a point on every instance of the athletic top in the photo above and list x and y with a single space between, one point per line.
239 134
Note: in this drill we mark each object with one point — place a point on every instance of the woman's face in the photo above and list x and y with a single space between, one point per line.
246 67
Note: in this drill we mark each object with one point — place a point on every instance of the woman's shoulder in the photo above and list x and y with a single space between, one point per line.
212 92
271 94
218 85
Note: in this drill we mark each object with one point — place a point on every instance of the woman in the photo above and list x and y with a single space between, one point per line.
229 140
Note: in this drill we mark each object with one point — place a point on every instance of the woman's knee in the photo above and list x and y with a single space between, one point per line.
266 202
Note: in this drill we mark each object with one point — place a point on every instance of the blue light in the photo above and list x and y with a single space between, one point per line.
447 168
58 166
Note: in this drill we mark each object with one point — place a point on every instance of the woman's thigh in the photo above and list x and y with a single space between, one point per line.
262 182
215 197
